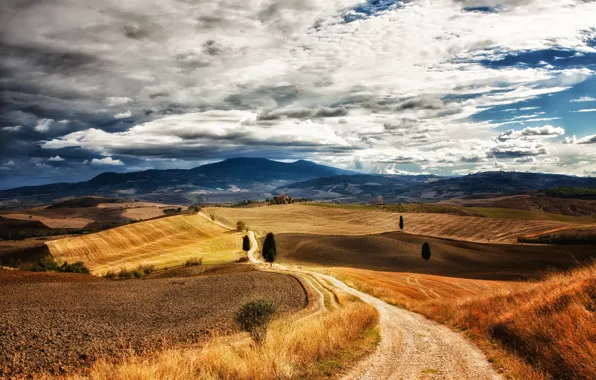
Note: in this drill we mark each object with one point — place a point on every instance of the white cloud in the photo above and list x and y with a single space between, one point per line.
587 110
64 121
530 132
43 125
15 128
106 161
10 164
117 100
584 140
123 115
223 129
583 99
56 159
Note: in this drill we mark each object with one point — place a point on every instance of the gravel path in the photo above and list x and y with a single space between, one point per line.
411 347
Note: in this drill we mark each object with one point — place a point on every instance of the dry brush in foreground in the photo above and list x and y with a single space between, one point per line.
309 347
534 330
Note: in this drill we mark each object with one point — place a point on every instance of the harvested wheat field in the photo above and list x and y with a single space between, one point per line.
342 221
60 325
163 242
401 252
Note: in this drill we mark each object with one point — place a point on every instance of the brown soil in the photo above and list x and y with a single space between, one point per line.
60 326
401 252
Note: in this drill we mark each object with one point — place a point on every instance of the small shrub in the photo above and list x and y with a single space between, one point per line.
212 217
147 269
78 267
195 208
197 261
110 274
240 226
243 259
254 317
124 274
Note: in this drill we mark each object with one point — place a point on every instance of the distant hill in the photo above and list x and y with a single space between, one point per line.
358 187
229 180
497 183
429 188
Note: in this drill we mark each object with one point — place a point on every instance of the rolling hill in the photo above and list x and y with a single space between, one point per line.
160 242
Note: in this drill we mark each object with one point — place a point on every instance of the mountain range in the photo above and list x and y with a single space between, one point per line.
237 179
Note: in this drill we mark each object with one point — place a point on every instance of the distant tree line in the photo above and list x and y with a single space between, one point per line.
571 192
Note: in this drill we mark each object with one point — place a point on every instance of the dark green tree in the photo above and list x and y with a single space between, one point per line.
426 251
245 243
401 223
269 248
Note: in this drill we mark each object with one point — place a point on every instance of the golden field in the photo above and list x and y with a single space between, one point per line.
345 221
163 242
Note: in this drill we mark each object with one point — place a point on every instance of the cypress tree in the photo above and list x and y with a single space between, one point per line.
245 243
269 248
426 251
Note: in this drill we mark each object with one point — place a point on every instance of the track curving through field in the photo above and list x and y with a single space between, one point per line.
411 346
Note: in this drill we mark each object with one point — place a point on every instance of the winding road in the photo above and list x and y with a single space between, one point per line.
411 346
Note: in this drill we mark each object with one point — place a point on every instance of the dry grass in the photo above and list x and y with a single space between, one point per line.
160 243
346 221
308 347
411 289
538 330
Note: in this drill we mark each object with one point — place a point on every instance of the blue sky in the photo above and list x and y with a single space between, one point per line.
447 87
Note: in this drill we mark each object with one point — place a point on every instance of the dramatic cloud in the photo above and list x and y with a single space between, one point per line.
56 159
360 85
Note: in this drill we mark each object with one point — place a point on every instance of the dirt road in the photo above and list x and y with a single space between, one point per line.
411 346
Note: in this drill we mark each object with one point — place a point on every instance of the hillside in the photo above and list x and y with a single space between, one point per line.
334 220
400 252
160 242
429 188
229 180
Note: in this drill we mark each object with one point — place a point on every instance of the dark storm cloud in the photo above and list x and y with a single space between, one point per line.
50 59
421 102
303 113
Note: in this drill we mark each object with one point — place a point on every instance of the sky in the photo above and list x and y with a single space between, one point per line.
447 87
